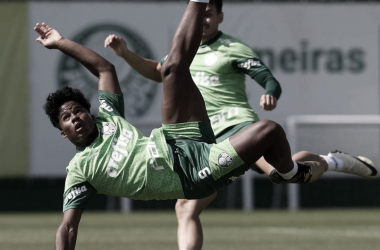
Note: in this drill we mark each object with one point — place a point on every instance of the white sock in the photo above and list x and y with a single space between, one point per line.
291 173
201 1
334 163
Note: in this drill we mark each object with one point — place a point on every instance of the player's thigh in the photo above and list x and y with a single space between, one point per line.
181 99
230 131
261 166
254 141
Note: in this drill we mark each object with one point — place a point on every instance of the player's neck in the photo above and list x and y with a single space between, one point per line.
206 39
88 140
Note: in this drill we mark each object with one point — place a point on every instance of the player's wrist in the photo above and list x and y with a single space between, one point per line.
126 54
60 43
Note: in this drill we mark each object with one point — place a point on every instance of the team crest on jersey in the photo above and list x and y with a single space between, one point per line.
210 59
225 160
108 129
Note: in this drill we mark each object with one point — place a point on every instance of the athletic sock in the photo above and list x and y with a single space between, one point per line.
334 163
291 173
201 1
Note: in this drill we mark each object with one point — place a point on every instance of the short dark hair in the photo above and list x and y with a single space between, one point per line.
218 5
56 99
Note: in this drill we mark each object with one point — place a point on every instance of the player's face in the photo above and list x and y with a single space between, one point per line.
76 123
211 23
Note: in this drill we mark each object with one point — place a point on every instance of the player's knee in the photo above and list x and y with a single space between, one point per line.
183 209
179 206
270 129
192 208
172 67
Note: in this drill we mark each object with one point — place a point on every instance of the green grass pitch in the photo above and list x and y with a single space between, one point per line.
339 229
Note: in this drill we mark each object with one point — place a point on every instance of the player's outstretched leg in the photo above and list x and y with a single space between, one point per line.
357 165
181 100
267 138
338 161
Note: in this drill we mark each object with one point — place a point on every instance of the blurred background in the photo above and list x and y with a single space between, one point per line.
325 54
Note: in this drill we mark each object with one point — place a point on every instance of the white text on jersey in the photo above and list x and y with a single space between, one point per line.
74 193
119 145
201 78
105 106
153 154
223 116
249 64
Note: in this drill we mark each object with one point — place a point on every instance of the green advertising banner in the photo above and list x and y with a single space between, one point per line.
14 125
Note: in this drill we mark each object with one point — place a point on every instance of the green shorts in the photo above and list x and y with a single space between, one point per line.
230 131
203 166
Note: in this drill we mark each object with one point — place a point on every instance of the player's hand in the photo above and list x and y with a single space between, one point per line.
49 37
268 102
117 44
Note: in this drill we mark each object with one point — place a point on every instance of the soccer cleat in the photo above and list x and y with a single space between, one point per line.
357 165
308 172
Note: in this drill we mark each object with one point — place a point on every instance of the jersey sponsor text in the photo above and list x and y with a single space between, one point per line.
74 193
119 145
249 64
201 78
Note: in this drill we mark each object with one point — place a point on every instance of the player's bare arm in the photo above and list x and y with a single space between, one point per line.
146 67
97 65
66 236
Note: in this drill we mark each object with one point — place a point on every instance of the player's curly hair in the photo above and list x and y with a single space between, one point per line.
56 99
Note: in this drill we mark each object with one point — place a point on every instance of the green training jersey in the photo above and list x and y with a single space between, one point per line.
121 161
219 70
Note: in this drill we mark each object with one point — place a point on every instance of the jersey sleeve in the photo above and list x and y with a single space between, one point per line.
111 104
246 61
78 195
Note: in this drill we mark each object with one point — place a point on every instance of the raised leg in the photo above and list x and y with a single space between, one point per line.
267 138
308 156
181 100
264 166
264 138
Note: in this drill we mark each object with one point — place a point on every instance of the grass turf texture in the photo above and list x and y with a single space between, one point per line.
263 230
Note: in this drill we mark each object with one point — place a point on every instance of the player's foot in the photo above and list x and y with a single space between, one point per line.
357 165
308 172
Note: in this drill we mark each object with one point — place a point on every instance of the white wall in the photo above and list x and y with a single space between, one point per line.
333 33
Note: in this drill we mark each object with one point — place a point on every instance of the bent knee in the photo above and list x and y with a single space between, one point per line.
268 127
173 67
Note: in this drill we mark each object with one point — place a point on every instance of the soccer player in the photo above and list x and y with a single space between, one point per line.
178 160
218 69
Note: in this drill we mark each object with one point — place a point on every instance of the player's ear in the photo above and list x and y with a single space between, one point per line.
64 136
93 118
221 17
